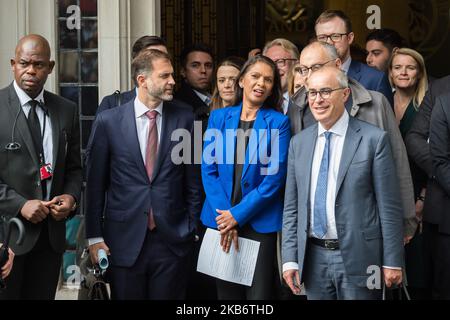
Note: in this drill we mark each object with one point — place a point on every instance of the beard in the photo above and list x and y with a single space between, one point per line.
161 93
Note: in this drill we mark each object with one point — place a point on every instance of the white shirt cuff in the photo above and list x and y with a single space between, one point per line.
92 241
290 266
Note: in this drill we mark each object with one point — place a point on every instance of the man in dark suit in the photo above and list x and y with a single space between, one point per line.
142 207
117 99
342 212
40 171
334 27
417 145
197 66
440 155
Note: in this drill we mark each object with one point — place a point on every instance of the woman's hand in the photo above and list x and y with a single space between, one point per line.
227 239
225 221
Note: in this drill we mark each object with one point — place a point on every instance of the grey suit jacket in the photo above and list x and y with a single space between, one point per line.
19 169
371 107
368 209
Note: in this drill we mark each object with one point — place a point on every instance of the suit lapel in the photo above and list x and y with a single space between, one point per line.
354 71
229 141
56 126
307 150
252 150
169 124
22 123
351 143
129 131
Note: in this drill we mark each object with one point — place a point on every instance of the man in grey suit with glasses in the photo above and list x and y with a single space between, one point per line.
342 215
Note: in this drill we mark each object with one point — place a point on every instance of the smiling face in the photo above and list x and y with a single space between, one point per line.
404 71
378 55
257 84
31 64
226 79
327 111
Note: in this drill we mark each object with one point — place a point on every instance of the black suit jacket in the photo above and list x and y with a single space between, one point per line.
201 110
19 169
120 194
440 156
419 150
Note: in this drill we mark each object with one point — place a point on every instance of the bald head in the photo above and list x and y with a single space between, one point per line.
34 42
317 55
31 64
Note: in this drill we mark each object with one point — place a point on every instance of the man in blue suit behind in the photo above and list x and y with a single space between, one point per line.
334 27
142 206
342 214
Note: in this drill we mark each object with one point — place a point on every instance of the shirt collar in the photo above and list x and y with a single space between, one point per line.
346 65
141 109
339 128
24 98
202 96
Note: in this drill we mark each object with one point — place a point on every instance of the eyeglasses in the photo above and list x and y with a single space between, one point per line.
304 70
282 62
323 93
335 37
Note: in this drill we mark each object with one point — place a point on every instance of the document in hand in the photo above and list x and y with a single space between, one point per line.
235 266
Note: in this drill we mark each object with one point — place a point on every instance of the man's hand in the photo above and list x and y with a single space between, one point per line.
227 239
6 269
34 211
292 278
392 277
225 221
60 206
93 250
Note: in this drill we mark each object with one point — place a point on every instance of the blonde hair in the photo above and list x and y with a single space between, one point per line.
285 44
422 83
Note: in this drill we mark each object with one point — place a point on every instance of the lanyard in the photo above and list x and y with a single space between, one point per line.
41 152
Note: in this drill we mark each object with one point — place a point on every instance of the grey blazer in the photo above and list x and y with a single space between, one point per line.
19 169
374 108
368 207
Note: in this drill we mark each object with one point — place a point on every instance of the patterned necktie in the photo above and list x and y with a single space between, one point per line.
150 155
320 197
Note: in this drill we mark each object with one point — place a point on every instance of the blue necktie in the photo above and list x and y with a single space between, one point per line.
320 198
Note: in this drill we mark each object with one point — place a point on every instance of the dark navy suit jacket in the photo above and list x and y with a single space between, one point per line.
118 186
111 101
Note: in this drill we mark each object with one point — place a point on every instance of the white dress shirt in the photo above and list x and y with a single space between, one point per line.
47 141
338 131
142 127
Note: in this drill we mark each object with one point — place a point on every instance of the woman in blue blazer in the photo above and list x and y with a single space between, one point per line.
244 170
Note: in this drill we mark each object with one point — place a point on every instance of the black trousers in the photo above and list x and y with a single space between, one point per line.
439 246
34 275
262 287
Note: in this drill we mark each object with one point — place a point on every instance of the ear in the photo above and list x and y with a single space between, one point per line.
241 85
338 62
346 92
351 37
140 79
51 65
13 63
183 72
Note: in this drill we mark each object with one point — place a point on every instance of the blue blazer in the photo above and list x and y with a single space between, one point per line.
371 79
264 171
